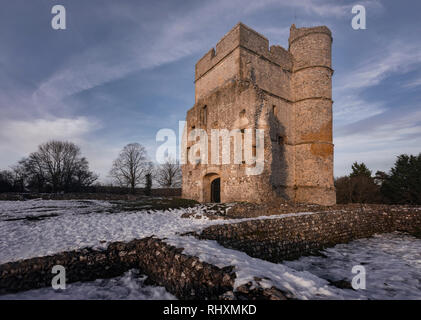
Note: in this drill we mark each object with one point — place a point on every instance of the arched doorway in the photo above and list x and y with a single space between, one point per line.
216 190
211 188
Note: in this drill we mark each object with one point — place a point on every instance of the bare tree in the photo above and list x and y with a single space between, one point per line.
20 177
57 161
6 181
131 166
169 174
57 164
35 171
82 176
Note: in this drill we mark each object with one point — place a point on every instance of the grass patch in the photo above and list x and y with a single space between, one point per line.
33 218
154 204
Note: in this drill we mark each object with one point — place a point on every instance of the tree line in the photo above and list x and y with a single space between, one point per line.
132 168
401 185
58 166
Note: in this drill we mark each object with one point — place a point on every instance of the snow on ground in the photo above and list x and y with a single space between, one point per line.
77 224
129 286
10 210
72 229
392 262
300 284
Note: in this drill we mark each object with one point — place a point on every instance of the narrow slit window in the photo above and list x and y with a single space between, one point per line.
205 115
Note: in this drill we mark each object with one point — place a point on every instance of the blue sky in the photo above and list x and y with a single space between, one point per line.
124 69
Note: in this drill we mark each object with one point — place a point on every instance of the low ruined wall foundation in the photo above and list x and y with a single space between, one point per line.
294 236
184 276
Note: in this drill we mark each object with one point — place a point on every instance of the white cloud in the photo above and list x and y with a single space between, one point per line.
171 39
20 137
397 58
174 38
383 63
413 83
379 140
352 108
378 143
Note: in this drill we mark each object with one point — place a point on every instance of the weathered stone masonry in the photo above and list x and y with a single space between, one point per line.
291 237
184 276
244 84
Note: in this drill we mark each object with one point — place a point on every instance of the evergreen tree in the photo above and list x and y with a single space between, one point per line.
358 187
359 170
403 184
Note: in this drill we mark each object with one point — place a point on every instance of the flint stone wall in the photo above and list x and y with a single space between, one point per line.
291 237
184 276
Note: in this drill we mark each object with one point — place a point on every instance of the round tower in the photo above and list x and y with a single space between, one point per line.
311 91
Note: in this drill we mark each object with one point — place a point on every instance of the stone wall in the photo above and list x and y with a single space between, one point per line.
291 237
312 94
184 276
236 100
246 84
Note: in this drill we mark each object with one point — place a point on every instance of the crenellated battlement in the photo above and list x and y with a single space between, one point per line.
297 33
246 38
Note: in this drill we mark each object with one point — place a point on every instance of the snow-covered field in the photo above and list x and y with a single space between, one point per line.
72 224
392 263
51 226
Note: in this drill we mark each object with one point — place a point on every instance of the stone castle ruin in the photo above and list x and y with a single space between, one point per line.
243 84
